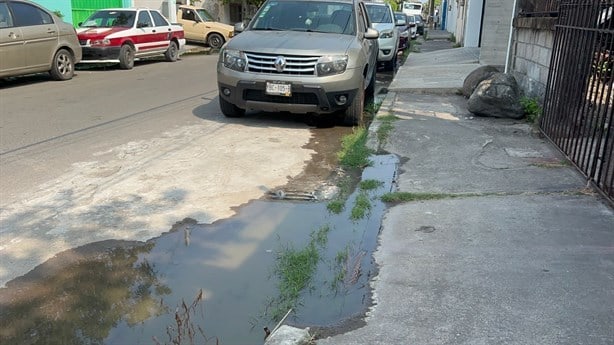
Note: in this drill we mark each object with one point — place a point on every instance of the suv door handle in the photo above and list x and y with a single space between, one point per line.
13 35
51 31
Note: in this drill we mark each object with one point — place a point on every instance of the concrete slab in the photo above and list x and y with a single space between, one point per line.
448 150
440 79
524 269
528 258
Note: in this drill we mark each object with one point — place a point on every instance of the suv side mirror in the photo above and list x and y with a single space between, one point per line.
371 34
239 27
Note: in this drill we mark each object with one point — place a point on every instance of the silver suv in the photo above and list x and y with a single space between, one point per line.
384 21
315 57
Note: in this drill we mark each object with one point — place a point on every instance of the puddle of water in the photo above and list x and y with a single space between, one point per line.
116 292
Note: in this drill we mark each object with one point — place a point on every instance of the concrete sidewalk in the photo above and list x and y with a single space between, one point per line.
518 250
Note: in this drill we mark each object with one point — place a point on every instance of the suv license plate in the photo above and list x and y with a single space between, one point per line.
278 89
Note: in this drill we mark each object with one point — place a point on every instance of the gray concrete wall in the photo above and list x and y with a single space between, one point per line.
529 62
495 31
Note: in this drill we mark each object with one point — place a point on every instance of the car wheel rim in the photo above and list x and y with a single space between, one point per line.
64 66
215 42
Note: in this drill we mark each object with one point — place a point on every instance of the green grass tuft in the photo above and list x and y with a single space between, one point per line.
385 127
532 109
397 197
370 184
336 206
361 208
354 151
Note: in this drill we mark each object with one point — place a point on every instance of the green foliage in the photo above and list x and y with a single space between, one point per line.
320 237
354 151
336 206
393 4
532 109
370 184
385 128
397 197
295 268
362 206
59 14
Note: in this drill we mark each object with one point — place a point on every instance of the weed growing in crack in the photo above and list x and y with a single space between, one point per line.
370 184
295 269
397 197
354 151
385 127
362 206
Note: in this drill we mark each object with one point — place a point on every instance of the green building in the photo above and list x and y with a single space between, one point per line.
75 11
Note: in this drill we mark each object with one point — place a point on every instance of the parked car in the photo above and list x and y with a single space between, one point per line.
402 23
34 40
419 24
199 26
413 26
122 35
301 56
382 18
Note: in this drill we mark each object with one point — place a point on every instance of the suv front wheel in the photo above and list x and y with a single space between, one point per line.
229 109
353 115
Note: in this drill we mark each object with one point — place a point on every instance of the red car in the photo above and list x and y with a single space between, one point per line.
122 35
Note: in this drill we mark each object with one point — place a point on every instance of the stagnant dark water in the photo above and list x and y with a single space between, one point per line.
119 292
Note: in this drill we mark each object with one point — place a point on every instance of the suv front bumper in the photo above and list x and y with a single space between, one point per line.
320 95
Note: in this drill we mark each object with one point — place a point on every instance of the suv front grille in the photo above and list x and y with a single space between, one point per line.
294 64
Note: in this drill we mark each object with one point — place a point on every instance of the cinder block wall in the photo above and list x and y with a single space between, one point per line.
532 45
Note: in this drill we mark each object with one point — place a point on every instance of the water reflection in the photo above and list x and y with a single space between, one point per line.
116 292
80 295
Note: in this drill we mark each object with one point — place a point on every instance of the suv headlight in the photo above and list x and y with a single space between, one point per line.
234 59
331 64
385 34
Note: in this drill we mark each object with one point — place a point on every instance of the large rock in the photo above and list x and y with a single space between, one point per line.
497 96
476 77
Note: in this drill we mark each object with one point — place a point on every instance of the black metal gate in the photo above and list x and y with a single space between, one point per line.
578 101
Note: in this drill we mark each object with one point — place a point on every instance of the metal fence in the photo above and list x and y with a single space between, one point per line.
578 101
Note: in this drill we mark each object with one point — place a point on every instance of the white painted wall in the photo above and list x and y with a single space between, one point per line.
496 31
452 13
473 23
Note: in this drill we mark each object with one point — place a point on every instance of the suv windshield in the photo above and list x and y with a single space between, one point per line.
105 19
379 13
328 17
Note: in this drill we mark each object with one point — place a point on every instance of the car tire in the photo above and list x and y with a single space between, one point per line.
354 114
63 65
172 53
229 109
126 57
215 41
392 64
370 91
